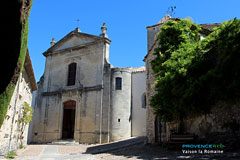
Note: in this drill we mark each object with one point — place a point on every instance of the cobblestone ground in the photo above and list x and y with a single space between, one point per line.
140 152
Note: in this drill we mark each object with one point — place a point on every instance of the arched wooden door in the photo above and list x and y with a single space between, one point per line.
69 109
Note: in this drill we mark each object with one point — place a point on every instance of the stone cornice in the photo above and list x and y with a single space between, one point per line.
82 89
78 34
72 48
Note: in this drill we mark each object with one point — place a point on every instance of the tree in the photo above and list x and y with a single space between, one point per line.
193 74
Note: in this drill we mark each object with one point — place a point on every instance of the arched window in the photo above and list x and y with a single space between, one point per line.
118 85
71 74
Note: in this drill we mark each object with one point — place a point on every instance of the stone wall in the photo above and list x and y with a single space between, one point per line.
120 125
220 126
138 103
222 118
151 35
10 130
150 79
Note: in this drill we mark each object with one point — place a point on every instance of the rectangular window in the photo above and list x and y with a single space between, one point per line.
118 83
71 74
144 100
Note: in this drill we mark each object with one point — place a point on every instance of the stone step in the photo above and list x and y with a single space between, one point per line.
101 148
64 142
175 137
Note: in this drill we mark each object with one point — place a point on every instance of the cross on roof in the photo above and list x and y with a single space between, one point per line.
78 21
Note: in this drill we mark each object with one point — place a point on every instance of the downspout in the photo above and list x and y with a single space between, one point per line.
131 107
109 104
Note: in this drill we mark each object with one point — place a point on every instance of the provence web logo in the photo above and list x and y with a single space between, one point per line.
203 148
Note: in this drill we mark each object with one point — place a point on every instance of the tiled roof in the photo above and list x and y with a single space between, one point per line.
139 69
209 26
29 69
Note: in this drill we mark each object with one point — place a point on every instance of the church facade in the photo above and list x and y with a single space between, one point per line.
81 96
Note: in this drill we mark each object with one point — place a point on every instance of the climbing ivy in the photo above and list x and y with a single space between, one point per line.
25 117
20 53
193 74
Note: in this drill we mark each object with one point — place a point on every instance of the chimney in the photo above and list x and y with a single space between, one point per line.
77 29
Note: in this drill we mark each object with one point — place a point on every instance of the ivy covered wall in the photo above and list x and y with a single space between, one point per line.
14 49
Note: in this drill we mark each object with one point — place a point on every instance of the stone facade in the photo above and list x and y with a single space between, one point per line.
150 127
222 118
102 112
152 40
10 130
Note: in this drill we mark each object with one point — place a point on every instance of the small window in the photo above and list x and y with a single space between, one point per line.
71 74
118 83
144 100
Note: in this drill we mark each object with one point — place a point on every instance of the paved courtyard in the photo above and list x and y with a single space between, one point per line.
138 152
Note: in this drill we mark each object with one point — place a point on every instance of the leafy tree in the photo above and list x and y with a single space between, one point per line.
193 74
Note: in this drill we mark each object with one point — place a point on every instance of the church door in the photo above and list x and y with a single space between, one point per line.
68 119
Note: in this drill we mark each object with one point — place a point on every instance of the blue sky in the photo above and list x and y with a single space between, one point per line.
126 21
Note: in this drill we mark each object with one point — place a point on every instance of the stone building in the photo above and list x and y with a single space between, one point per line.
153 125
81 96
157 131
10 133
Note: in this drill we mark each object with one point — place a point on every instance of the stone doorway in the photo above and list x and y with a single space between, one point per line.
157 128
68 119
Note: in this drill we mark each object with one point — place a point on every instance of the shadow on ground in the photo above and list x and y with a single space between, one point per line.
157 152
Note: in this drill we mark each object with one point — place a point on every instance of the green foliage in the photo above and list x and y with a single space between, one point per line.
10 155
6 96
191 75
26 117
27 112
20 146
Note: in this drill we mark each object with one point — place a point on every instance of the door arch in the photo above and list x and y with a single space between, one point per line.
69 110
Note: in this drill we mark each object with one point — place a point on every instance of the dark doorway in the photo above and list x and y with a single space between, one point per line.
68 119
157 126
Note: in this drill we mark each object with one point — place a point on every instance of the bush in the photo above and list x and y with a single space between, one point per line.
10 155
20 146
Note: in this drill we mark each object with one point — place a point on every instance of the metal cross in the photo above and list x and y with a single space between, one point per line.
78 22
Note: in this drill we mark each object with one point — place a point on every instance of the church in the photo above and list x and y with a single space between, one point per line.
82 97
